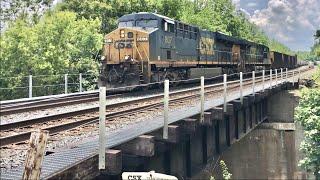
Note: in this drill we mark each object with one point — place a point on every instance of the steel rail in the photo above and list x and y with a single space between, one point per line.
66 126
20 124
61 127
64 101
29 122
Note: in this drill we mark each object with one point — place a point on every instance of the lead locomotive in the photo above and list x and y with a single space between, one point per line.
148 47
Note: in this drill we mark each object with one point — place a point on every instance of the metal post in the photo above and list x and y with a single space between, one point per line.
225 92
66 83
166 109
102 128
286 74
202 99
276 76
263 74
253 82
80 82
270 78
281 71
30 86
241 88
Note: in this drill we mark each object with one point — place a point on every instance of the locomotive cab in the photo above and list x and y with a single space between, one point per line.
126 50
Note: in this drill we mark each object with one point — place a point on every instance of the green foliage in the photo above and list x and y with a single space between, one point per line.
60 43
221 15
316 76
214 15
316 51
29 10
314 54
308 114
65 39
225 173
317 35
276 46
303 55
109 11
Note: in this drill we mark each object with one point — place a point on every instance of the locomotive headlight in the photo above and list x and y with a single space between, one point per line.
142 38
103 58
108 40
127 57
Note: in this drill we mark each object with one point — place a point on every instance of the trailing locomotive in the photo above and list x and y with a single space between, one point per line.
148 47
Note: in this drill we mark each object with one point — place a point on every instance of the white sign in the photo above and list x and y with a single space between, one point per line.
152 175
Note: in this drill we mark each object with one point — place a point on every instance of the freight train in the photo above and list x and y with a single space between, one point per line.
148 47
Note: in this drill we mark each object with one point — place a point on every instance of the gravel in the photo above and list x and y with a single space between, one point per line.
67 139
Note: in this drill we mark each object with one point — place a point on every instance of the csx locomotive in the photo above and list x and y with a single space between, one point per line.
148 47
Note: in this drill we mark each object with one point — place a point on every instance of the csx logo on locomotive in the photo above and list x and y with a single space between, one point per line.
148 47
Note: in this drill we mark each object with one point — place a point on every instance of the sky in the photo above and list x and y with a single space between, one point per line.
291 22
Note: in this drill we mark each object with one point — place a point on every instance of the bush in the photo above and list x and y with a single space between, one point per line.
308 114
58 44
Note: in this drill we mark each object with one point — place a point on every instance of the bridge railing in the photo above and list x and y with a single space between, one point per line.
42 85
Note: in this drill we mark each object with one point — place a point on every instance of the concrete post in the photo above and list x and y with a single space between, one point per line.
276 76
166 109
293 77
30 86
263 74
66 83
102 128
270 78
299 74
286 74
35 154
225 93
241 87
80 82
281 71
202 99
253 82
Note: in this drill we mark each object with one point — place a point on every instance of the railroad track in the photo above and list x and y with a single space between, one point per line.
20 131
32 105
14 154
7 109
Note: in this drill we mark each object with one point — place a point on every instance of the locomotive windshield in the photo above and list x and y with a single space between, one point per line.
126 24
147 23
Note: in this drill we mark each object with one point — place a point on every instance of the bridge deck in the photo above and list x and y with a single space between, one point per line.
59 161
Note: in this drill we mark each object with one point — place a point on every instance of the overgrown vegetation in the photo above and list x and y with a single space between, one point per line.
226 175
59 43
314 53
41 39
308 114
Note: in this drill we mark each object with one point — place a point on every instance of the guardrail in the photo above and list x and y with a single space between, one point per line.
43 85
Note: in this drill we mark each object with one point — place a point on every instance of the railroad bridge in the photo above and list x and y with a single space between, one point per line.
192 141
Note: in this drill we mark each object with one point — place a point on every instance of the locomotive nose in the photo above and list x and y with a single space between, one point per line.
127 58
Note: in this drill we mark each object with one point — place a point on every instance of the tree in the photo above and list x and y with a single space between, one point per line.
64 39
317 35
276 46
30 10
60 43
109 11
308 115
